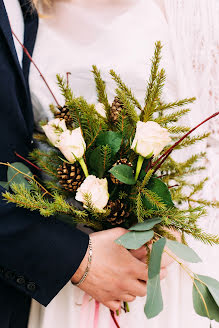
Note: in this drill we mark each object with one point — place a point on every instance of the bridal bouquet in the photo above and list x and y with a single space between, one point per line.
110 165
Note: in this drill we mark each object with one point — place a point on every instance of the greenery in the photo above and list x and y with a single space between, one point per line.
160 201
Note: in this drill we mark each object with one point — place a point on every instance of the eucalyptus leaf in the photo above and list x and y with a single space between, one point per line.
111 138
154 303
182 251
161 189
4 185
14 176
155 258
203 302
135 239
213 286
123 173
147 225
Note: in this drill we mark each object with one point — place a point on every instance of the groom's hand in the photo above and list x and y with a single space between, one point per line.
115 274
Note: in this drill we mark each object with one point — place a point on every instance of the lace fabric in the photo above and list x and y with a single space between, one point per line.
194 30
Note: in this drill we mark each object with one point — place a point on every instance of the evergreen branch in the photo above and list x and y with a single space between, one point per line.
213 204
106 156
189 141
154 96
153 198
154 70
124 89
64 88
129 108
178 103
170 118
101 90
178 129
147 178
139 208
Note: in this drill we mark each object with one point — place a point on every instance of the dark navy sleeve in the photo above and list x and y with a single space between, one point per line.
38 255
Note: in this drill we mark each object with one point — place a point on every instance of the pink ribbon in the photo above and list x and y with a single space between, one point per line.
90 312
96 314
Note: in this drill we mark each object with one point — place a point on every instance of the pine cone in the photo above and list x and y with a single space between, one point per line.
70 176
115 110
120 161
119 212
64 114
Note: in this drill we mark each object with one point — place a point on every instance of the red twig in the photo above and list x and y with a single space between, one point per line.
170 187
162 158
26 160
32 61
67 78
114 318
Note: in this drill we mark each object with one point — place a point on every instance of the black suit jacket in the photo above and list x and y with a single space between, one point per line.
38 256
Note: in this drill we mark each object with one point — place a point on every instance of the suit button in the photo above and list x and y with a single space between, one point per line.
9 275
31 286
20 280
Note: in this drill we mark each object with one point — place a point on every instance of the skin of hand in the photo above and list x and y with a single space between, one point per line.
115 274
141 253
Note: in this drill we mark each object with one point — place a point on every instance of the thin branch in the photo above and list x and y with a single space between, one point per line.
32 61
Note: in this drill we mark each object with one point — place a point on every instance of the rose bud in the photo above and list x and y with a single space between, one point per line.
150 139
97 189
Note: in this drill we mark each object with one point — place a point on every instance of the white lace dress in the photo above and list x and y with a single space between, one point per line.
121 35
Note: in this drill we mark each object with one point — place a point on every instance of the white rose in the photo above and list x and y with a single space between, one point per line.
53 130
97 189
100 108
72 145
150 139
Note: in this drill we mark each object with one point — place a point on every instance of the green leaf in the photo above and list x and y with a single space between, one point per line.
123 173
203 302
113 139
155 258
154 303
4 185
143 169
182 251
135 239
14 176
161 189
95 161
213 286
147 225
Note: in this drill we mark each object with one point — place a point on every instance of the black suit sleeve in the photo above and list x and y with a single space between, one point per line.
38 255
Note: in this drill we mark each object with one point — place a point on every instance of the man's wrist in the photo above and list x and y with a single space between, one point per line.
82 272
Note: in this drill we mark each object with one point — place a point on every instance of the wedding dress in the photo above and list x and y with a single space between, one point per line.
121 35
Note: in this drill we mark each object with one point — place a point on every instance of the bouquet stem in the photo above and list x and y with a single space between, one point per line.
84 167
139 166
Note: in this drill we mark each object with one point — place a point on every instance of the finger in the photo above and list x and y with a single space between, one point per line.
138 288
163 274
128 298
113 305
141 271
139 253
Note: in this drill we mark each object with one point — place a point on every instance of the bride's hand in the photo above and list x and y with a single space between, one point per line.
115 274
